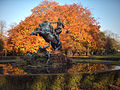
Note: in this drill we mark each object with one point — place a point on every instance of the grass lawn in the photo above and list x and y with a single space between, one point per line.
115 57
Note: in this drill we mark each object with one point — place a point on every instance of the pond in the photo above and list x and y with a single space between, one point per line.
77 76
12 69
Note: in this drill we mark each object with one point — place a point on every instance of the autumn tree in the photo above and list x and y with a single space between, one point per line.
111 45
81 32
1 45
2 35
2 26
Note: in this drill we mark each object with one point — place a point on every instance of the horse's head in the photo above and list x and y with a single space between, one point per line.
43 24
35 31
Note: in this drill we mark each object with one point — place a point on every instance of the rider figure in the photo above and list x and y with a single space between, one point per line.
58 29
49 34
46 26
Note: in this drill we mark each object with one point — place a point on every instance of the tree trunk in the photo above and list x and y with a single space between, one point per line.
66 51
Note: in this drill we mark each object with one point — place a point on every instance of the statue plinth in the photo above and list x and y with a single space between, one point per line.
58 57
42 58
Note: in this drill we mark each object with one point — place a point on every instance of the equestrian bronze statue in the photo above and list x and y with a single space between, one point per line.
50 34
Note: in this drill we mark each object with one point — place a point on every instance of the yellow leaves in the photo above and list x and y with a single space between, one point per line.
77 20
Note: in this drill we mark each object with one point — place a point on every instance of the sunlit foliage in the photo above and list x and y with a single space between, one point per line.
81 32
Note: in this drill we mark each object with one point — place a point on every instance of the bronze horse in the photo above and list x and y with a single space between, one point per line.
46 31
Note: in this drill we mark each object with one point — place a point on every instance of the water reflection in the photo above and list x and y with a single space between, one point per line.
83 81
90 67
9 69
116 68
70 80
74 68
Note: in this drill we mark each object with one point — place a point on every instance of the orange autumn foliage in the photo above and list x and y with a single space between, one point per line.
9 69
81 30
83 67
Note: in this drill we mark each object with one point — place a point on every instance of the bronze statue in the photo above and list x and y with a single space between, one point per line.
43 50
58 29
50 35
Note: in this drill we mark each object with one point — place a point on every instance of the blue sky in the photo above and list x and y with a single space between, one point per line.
107 12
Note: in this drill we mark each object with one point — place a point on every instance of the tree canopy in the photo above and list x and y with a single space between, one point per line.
81 32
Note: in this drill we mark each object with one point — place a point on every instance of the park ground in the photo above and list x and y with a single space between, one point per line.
109 59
